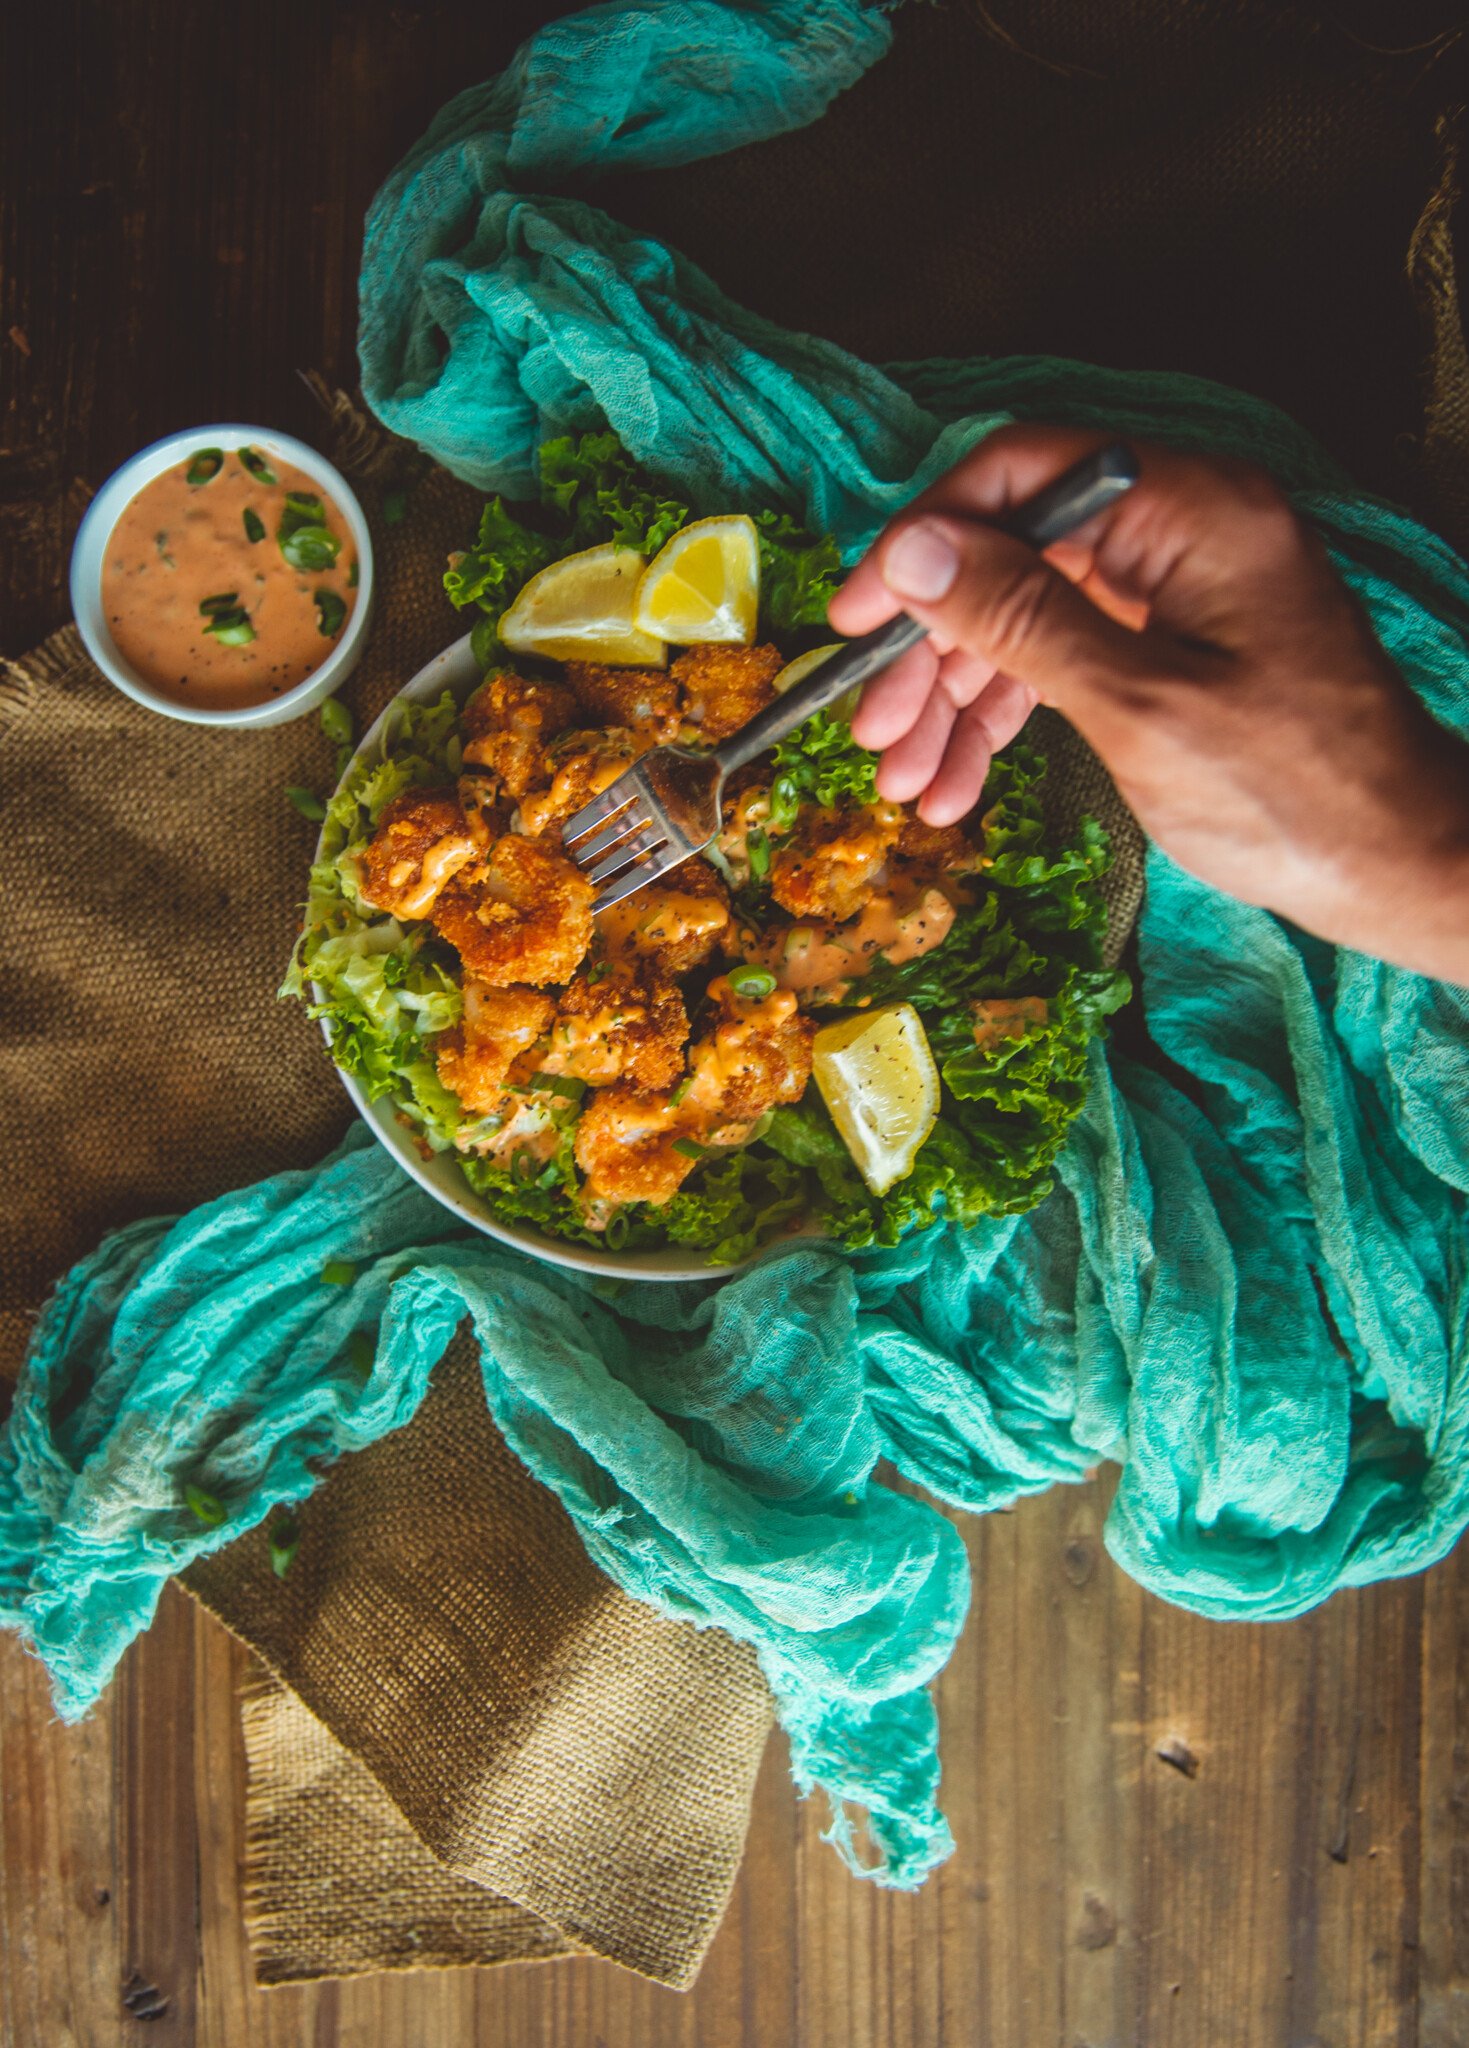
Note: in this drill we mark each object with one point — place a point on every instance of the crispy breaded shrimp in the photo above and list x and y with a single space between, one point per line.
757 1053
499 1024
509 722
726 686
487 812
579 766
421 842
646 700
944 849
625 1024
523 914
827 867
678 920
624 1145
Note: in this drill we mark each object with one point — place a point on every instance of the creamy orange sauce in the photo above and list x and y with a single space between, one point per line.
820 960
645 922
440 864
178 544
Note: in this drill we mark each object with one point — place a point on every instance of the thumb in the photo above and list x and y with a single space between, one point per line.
994 597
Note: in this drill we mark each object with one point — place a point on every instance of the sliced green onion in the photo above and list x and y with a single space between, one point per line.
338 1273
524 1166
207 1506
690 1148
615 1235
785 801
753 983
305 502
257 465
394 505
309 547
797 941
231 628
227 600
598 971
285 1541
306 802
205 467
336 721
559 1084
360 1353
254 524
352 574
681 1091
550 1177
331 610
757 846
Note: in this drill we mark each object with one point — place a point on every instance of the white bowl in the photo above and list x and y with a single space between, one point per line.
90 550
456 669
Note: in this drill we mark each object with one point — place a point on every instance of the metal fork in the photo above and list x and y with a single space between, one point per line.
667 806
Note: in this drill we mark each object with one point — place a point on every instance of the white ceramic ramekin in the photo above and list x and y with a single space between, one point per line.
122 487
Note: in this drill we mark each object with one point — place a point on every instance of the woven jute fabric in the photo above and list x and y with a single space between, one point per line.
491 1699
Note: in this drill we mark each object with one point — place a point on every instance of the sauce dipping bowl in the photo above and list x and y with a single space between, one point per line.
94 536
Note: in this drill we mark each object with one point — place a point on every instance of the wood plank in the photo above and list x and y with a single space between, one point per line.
1443 1930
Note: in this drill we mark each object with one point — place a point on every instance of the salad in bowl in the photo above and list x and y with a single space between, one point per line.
837 1020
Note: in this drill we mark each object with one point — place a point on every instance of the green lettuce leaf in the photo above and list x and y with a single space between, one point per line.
505 554
800 574
821 763
602 495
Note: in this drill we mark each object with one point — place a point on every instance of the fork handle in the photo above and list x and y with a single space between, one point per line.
1075 496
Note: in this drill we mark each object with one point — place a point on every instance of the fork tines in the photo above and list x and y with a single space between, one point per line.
615 841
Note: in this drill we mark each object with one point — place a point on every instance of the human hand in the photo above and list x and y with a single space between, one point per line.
1196 634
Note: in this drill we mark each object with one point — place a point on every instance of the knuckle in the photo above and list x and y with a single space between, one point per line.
1010 611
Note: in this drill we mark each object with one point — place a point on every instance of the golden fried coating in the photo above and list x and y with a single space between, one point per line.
508 724
944 848
622 1021
422 841
725 686
523 914
757 1053
827 867
624 1145
679 920
499 1025
644 699
578 767
486 810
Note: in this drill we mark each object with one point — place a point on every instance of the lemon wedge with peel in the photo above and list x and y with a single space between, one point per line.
704 585
581 609
878 1078
797 671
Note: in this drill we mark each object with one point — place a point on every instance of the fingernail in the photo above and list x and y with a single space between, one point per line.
921 563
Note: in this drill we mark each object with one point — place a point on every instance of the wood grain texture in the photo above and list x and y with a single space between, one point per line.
1171 1835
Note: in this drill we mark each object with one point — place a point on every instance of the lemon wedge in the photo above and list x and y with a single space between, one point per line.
704 585
877 1076
797 671
581 609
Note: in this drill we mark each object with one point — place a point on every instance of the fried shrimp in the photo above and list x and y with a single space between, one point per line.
622 1024
646 700
579 766
524 914
625 1145
679 920
725 686
508 724
498 1026
829 866
422 841
946 849
756 1053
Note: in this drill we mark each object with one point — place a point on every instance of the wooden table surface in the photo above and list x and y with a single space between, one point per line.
1169 1832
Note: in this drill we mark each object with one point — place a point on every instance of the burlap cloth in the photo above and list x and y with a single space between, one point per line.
473 1747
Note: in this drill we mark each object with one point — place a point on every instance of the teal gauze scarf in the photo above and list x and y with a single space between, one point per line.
1251 1296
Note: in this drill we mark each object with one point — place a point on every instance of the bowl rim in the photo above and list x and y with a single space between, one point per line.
117 493
455 668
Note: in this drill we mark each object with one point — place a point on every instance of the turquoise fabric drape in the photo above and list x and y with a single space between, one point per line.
1247 1288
